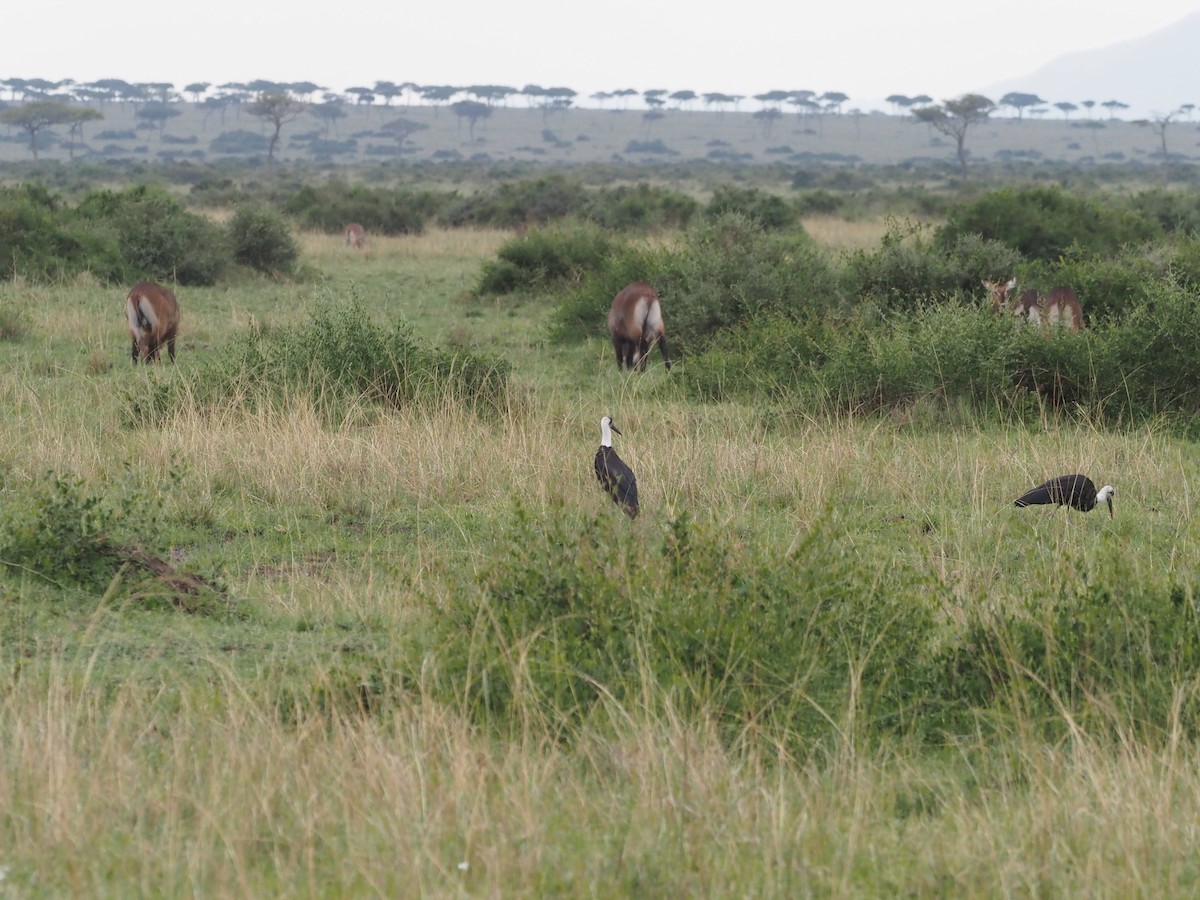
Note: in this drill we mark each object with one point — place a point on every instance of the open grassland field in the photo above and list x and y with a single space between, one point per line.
512 134
409 648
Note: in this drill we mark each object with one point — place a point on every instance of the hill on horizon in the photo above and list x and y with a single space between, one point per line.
1154 74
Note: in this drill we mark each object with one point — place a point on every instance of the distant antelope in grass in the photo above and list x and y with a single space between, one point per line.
1059 306
636 325
153 315
356 235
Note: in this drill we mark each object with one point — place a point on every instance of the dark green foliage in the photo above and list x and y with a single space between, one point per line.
240 142
908 270
338 359
578 609
768 210
819 203
727 271
331 206
1171 211
640 207
1106 284
531 202
952 355
547 258
157 237
1112 654
42 240
66 534
260 239
1042 223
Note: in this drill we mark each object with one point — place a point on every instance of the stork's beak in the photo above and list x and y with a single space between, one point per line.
1110 509
616 430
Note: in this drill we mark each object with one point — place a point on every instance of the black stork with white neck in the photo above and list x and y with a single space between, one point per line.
1075 491
616 478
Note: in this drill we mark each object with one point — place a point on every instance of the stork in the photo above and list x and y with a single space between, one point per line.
616 478
1075 491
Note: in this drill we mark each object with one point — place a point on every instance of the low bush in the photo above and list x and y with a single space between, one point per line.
531 202
260 239
577 610
548 258
157 237
908 270
948 355
339 358
727 271
770 211
641 207
1113 655
330 206
1042 223
41 239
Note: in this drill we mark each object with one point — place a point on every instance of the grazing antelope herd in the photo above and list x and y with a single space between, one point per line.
153 316
635 323
1059 306
356 236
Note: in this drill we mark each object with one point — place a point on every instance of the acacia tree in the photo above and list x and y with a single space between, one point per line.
1066 108
954 117
278 109
1160 124
80 115
1020 102
37 116
328 112
401 129
472 111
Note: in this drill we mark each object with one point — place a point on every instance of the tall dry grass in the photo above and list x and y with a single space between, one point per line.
204 788
157 753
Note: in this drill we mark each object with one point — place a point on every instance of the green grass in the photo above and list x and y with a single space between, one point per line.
306 732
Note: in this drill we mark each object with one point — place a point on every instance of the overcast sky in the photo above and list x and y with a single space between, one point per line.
864 49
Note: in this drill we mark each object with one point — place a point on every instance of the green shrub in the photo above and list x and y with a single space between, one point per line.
41 239
768 210
330 206
260 239
338 359
1171 211
531 202
907 270
1107 285
158 238
727 271
1112 655
68 535
547 258
1041 223
640 207
575 610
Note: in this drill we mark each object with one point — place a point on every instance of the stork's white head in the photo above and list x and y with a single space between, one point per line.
1105 494
607 428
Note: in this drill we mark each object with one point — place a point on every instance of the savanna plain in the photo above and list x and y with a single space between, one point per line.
406 649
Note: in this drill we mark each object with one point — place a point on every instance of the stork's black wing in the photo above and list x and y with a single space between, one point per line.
618 480
1072 490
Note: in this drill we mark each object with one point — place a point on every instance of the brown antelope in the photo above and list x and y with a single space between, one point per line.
1059 306
153 315
356 235
636 324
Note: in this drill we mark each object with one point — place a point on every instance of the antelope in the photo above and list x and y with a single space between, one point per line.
1060 305
356 235
636 324
153 315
